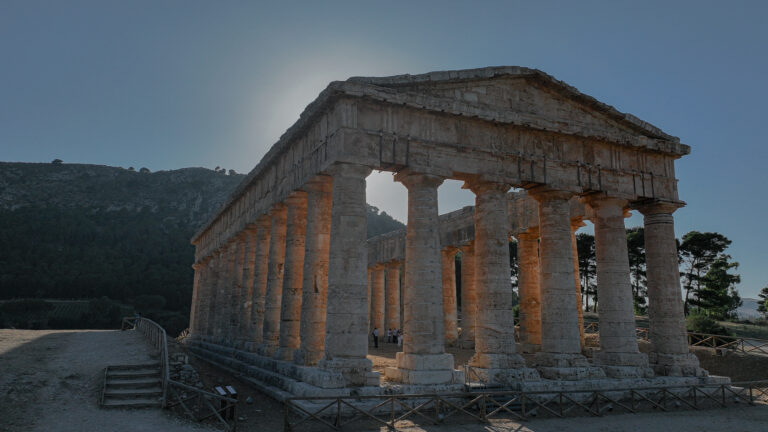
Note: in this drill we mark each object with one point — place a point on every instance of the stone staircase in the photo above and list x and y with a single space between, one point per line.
132 386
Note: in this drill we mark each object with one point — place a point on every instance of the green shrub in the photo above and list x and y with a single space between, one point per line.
702 323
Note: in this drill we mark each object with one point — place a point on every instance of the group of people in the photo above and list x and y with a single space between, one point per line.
392 336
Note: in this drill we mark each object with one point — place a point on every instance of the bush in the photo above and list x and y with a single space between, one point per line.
702 323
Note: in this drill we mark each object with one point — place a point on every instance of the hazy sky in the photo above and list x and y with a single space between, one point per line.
171 84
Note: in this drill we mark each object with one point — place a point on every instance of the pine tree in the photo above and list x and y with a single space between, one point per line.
762 306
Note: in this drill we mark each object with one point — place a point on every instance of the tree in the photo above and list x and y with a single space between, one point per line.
717 297
144 170
57 161
636 249
762 306
232 172
585 246
698 251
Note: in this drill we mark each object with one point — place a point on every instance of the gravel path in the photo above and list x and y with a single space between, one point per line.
50 380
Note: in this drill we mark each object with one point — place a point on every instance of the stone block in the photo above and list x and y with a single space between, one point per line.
424 361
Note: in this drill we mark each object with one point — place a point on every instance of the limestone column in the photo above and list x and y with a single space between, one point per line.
315 284
273 297
529 289
393 295
575 225
203 298
369 297
290 314
260 277
226 288
377 299
210 313
619 354
495 356
346 336
670 354
450 313
194 316
468 296
423 359
246 299
237 290
560 356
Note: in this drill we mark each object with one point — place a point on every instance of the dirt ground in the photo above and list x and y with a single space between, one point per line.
50 381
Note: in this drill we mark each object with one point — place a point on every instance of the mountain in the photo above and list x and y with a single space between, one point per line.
748 309
76 231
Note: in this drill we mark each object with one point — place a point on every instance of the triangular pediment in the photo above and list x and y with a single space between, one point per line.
529 95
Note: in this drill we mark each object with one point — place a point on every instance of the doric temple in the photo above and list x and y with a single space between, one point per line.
287 288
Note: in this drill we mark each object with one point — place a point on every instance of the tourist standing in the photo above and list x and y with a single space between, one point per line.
375 337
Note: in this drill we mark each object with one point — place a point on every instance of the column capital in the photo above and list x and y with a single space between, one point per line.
393 264
297 198
263 222
277 208
655 206
343 169
450 250
531 233
319 183
468 247
577 223
197 266
410 178
545 193
600 200
480 186
378 266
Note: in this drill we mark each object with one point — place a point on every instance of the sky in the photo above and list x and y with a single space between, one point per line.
180 83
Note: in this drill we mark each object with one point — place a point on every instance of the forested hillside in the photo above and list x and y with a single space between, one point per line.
73 231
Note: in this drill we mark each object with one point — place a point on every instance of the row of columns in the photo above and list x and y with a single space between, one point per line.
293 285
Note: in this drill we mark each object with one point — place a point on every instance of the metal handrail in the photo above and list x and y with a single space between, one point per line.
335 412
734 343
156 335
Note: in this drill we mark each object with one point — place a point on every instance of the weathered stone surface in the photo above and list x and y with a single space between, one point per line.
346 337
450 312
315 284
290 312
468 296
275 274
494 128
529 289
670 353
393 295
423 322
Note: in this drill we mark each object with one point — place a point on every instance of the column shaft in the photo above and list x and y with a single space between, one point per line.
290 314
495 350
393 295
529 289
236 316
315 283
575 224
194 315
377 298
261 274
423 360
346 337
618 340
560 356
450 313
468 296
274 293
670 354
246 302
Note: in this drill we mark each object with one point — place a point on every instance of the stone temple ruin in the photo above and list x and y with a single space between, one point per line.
287 288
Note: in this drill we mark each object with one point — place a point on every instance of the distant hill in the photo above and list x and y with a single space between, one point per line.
748 309
76 231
